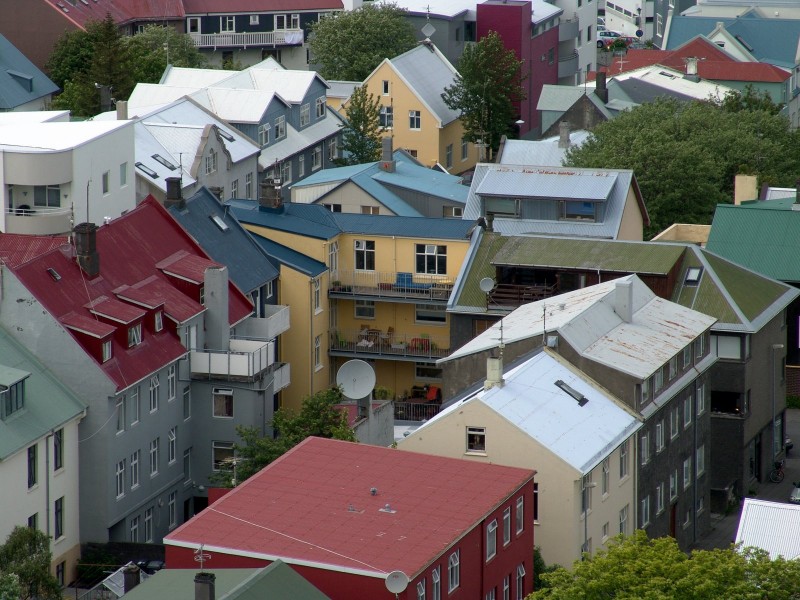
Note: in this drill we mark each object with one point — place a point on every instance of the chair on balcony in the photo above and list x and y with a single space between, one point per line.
340 340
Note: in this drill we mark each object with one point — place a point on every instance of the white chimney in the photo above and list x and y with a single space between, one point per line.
691 65
563 134
623 300
494 373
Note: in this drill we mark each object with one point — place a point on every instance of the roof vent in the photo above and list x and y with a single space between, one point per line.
387 509
53 273
373 491
582 400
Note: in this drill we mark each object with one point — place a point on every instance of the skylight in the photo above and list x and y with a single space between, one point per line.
219 222
171 166
226 135
146 170
53 273
693 275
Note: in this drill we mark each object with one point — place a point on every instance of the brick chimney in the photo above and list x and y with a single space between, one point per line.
745 187
86 249
174 193
387 156
204 586
600 87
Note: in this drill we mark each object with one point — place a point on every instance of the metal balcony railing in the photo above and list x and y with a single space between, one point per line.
282 377
387 344
288 37
568 65
415 411
390 285
266 328
243 361
568 29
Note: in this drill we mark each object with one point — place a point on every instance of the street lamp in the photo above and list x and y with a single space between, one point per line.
774 432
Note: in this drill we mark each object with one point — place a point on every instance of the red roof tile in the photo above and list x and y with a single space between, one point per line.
314 504
193 7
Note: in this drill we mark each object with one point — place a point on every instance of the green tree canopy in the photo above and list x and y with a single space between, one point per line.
152 49
318 417
685 155
487 87
637 567
25 567
361 137
348 46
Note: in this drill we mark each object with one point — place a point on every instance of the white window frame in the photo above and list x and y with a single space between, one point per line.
219 445
464 150
645 511
136 459
211 162
701 399
476 440
301 166
134 335
148 525
316 158
317 287
491 540
187 465
605 477
318 352
154 385
687 472
248 185
120 415
660 438
120 478
673 485
280 127
521 581
333 149
700 461
674 423
158 320
254 19
386 117
454 571
305 114
687 412
623 520
507 526
135 529
227 24
280 22
295 17
263 135
660 498
319 107
520 514
430 314
432 258
436 583
172 445
623 460
172 509
415 120
644 447
171 383
421 589
365 249
155 451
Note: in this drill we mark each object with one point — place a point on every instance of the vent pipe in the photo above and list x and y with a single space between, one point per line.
387 156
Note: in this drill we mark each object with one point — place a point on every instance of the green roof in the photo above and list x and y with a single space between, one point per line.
48 404
278 581
763 236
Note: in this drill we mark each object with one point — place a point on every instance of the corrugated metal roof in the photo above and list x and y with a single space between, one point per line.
539 182
311 486
20 80
545 153
558 97
298 140
292 85
235 105
291 258
17 249
256 6
771 526
342 89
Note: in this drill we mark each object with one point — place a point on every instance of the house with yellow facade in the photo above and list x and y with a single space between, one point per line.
371 287
409 88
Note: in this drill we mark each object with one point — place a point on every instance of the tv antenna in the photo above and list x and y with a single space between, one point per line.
201 557
396 582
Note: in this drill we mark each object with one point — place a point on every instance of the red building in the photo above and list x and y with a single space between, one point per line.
347 515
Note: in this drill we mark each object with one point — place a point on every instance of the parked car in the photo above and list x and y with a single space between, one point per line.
601 21
604 38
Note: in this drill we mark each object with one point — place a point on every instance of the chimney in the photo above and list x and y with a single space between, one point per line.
174 193
563 135
745 187
600 87
489 221
691 69
494 372
86 249
122 110
218 329
270 193
130 577
387 156
204 586
623 300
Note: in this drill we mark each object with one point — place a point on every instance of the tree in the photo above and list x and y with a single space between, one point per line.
361 139
685 155
152 49
657 569
485 91
750 99
348 46
25 566
318 416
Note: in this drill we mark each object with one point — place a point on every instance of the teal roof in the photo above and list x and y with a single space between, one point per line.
762 236
278 581
20 80
48 404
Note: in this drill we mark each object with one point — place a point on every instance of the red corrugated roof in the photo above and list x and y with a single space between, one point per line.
16 249
87 325
742 71
193 7
114 310
186 266
129 248
140 295
81 12
314 504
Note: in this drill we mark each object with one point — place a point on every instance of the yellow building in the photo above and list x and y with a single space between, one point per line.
373 287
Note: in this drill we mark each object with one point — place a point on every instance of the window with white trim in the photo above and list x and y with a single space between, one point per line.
436 583
520 514
148 525
687 356
644 447
305 114
158 320
317 295
673 485
586 494
364 309
248 185
645 512
319 107
107 351
154 384
491 594
227 24
254 20
448 156
431 259
187 465
674 422
172 509
386 117
316 158
623 460
605 477
659 436
154 456
507 587
134 335
120 478
365 255
464 149
623 520
701 400
453 571
476 439
433 314
187 403
171 383
507 526
491 539
687 411
700 460
660 498
414 120
120 415
211 162
286 171
521 581
221 455
333 149
263 134
280 127
421 589
135 529
295 21
301 166
172 444
687 472
135 459
318 352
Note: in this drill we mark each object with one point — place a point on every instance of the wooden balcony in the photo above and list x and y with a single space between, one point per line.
374 343
509 295
288 37
390 286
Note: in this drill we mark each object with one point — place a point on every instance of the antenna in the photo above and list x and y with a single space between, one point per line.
200 556
396 582
544 324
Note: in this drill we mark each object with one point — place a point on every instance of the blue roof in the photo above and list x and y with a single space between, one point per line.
290 258
772 41
20 80
248 265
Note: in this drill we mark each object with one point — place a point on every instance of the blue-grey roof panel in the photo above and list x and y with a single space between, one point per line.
410 227
20 80
291 258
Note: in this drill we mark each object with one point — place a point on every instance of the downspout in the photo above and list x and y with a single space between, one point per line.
312 365
694 461
47 480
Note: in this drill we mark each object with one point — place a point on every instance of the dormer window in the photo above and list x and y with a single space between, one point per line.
12 398
107 351
159 320
134 335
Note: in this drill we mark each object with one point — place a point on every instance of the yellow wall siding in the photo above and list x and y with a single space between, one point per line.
399 254
312 247
632 225
452 134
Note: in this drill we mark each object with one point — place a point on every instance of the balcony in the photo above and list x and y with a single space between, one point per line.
374 343
568 65
390 286
39 220
282 377
245 360
568 29
288 37
415 411
508 295
266 328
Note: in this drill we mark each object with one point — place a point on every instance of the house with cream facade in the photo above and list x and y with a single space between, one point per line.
546 415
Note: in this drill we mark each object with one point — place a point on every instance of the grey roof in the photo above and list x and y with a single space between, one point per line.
771 526
342 89
293 259
247 263
558 97
20 80
48 404
545 153
427 73
525 181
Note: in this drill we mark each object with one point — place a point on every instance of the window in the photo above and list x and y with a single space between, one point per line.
254 19
658 381
520 514
280 127
448 156
280 21
58 518
301 166
317 295
333 256
660 436
386 117
158 320
248 185
47 195
700 460
333 207
452 212
507 526
211 162
623 460
659 25
121 415
673 485
295 21
135 468
688 520
464 150
385 87
221 455
318 352
223 402
491 540
316 158
687 357
431 259
605 532
33 521
520 581
365 255
476 439
365 309
106 178
673 367
491 594
135 529
453 571
431 313
171 508
699 347
333 149
414 119
623 520
687 411
578 211
507 587
645 512
136 409
58 450
32 466
701 400
687 472
171 388
319 107
674 423
551 56
120 478
154 451
644 448
234 189
436 584
134 335
187 465
586 494
427 371
263 134
727 346
154 383
370 210
148 525
172 438
421 590
193 25
644 392
123 174
227 23
305 114
535 502
286 172
660 498
701 502
604 479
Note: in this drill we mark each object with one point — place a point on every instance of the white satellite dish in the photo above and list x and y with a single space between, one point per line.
396 582
486 284
356 378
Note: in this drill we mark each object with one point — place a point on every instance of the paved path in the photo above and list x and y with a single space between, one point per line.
723 529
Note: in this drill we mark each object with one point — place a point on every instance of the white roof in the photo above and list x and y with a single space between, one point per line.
147 97
235 105
771 526
33 116
545 153
776 193
291 85
54 136
192 77
672 80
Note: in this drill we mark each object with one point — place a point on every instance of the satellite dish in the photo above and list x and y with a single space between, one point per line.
396 581
486 284
356 378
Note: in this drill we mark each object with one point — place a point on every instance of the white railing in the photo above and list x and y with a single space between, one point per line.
38 220
266 328
245 359
288 37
